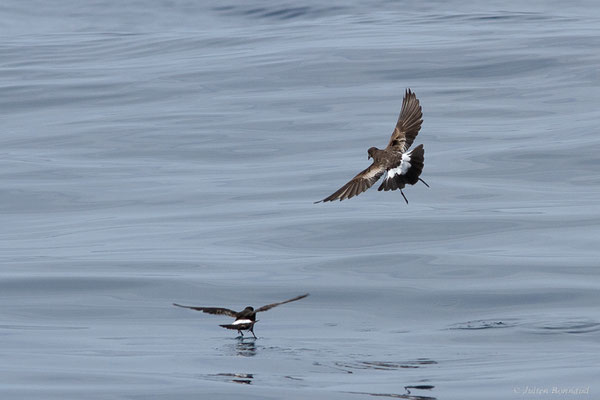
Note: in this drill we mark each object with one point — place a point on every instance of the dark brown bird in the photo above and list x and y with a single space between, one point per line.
400 167
245 319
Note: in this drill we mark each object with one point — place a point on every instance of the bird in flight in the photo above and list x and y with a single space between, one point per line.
245 319
400 166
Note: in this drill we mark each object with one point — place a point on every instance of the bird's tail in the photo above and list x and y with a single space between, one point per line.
407 172
416 159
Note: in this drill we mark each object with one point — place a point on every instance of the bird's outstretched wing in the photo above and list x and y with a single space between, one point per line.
269 306
361 182
408 125
211 310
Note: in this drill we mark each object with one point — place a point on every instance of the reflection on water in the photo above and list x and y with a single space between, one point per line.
419 387
408 395
246 347
244 379
485 324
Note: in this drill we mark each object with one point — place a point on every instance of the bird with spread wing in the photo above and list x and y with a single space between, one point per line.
245 319
400 166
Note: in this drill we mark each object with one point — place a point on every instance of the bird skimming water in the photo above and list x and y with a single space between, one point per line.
245 319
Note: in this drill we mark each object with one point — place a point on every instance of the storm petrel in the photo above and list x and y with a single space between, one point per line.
245 319
400 167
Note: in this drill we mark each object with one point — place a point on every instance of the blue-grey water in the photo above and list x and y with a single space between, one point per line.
154 152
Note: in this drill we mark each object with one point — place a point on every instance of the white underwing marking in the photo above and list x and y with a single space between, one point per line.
242 321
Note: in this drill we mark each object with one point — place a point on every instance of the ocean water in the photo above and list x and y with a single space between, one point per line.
154 152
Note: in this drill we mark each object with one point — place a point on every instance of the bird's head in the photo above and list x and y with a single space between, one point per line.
371 152
249 309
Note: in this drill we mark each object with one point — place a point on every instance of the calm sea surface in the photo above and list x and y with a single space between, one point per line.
154 152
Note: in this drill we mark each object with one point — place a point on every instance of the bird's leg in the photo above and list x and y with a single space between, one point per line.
425 183
252 330
405 199
240 332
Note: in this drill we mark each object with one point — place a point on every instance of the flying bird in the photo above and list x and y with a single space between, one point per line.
401 167
245 319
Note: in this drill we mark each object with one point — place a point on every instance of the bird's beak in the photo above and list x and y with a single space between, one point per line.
369 157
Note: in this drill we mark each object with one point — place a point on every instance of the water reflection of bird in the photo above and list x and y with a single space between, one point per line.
245 319
245 348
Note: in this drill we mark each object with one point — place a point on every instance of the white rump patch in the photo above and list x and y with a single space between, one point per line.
242 321
405 164
401 169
